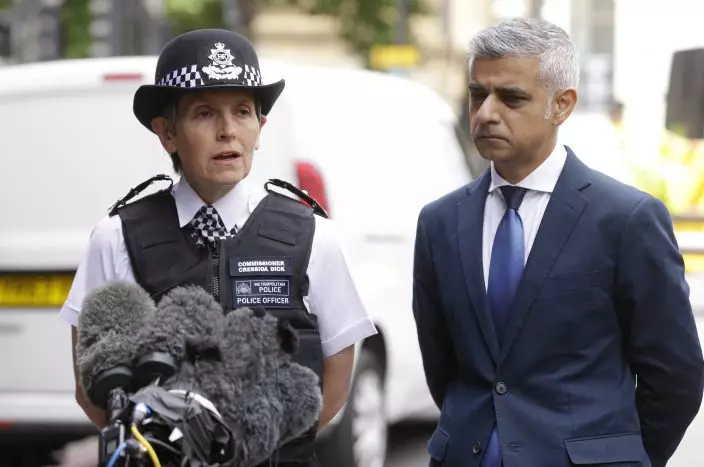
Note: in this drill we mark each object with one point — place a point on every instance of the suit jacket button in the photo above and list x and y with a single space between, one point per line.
477 448
501 388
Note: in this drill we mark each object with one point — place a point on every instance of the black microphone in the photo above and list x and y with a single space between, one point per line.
108 323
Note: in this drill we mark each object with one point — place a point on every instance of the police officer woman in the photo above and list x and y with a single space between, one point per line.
214 229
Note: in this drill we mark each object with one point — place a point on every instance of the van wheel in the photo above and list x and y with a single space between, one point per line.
360 439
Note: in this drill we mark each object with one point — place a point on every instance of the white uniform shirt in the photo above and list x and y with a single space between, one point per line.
540 185
332 295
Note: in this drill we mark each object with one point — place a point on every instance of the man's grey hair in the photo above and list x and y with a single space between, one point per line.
532 38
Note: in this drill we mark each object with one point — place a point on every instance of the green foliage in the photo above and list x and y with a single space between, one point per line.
364 22
75 17
186 15
183 15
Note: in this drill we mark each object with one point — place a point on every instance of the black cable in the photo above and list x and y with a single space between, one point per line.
163 445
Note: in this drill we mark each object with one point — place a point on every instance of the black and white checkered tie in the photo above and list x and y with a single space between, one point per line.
209 227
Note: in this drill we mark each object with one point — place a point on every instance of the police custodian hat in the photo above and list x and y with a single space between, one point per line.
204 59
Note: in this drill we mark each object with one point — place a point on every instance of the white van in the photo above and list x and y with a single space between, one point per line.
370 147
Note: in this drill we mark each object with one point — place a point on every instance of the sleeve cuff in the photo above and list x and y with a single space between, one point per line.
350 336
69 315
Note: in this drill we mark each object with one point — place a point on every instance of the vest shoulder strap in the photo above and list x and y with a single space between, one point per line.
281 202
137 190
146 222
155 205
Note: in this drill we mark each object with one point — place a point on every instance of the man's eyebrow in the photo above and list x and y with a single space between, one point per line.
512 90
505 90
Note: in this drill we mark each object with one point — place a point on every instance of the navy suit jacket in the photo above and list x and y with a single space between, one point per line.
603 300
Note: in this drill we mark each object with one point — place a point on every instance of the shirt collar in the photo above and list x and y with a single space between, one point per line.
234 208
544 178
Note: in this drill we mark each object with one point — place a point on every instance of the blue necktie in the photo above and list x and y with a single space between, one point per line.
505 272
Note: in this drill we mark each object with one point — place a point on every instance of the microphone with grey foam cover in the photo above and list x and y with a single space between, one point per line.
265 397
108 325
241 363
188 324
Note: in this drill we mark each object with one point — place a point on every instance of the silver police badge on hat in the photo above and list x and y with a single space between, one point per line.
221 66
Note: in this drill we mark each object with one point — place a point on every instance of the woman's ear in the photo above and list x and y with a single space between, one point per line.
262 122
163 130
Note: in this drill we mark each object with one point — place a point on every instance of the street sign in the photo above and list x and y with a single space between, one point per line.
394 57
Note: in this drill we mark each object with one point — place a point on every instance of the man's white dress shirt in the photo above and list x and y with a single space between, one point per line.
540 185
332 295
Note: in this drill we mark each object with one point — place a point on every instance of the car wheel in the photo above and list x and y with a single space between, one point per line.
360 439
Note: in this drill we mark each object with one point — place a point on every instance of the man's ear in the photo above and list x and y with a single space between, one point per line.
287 337
563 105
161 127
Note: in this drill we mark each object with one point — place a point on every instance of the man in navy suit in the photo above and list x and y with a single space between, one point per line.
544 290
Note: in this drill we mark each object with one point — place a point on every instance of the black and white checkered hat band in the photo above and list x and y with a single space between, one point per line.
252 77
184 77
190 77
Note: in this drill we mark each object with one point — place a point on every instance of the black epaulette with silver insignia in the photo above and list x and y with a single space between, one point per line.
137 190
317 208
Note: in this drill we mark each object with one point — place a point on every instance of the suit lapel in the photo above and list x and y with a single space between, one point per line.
564 209
470 233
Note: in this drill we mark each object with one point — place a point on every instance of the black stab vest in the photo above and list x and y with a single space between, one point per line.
264 265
